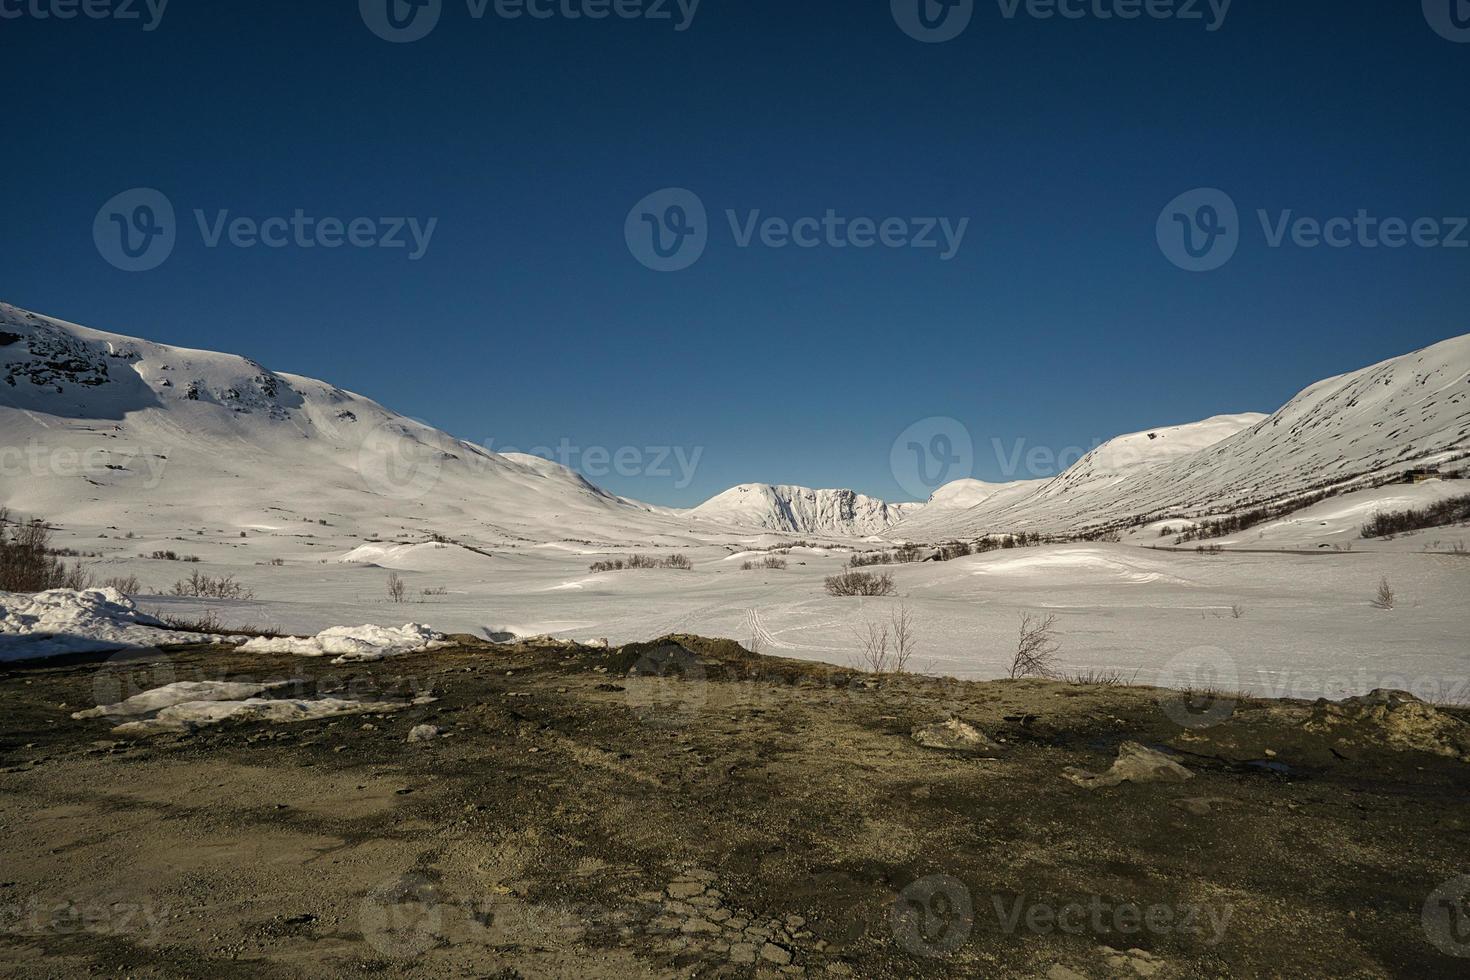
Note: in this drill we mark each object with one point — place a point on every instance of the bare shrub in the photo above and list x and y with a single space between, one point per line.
860 583
126 584
680 562
397 591
1385 598
200 586
873 654
888 646
1037 648
27 561
206 622
1237 611
1101 677
771 561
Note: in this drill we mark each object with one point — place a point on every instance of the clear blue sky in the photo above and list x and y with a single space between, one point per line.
528 321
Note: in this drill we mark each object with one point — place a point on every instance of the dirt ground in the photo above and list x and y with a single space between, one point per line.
686 809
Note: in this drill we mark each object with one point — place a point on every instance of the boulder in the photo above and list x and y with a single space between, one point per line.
954 735
1135 764
1394 719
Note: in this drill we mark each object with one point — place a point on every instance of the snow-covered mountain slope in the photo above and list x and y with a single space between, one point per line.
1353 429
938 514
110 431
802 510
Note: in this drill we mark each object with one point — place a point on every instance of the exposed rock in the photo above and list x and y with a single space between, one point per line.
954 736
1395 719
778 955
424 733
1137 764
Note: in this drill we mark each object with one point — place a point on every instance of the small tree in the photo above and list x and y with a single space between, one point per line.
1037 648
1385 598
27 563
397 591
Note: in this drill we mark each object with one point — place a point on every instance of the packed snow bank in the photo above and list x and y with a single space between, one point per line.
64 621
354 644
181 692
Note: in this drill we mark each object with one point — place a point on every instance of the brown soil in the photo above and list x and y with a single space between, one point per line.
685 809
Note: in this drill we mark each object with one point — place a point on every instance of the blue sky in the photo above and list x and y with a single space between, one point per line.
528 321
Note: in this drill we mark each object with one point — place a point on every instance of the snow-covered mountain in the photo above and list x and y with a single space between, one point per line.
1405 412
111 431
802 510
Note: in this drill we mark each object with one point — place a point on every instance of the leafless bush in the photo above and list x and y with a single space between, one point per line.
1385 598
27 562
199 586
771 561
860 583
641 561
397 591
126 584
206 622
1237 611
1101 677
1037 648
887 647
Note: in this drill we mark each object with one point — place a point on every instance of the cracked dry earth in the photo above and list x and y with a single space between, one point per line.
687 809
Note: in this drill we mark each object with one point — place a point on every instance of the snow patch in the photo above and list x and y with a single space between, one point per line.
66 621
354 644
